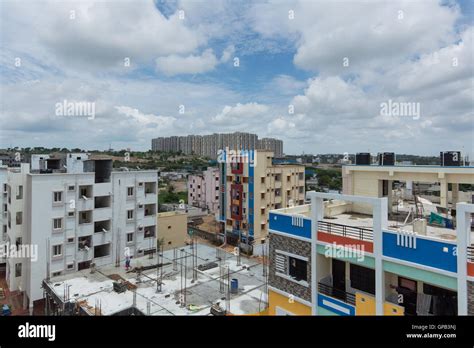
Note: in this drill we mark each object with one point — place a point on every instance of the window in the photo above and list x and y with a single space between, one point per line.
71 188
19 194
57 197
19 218
57 223
17 269
130 214
70 266
56 274
297 269
70 213
129 191
57 250
362 278
129 237
70 240
291 267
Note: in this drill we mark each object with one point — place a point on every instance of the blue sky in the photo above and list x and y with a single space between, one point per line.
334 63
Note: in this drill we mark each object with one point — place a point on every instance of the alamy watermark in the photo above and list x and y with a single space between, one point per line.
76 109
354 251
10 250
237 156
400 109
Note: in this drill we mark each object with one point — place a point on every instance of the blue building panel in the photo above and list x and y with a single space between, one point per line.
426 252
251 200
284 223
336 306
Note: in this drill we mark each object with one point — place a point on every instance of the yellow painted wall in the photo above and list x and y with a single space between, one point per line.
277 300
365 305
172 227
393 309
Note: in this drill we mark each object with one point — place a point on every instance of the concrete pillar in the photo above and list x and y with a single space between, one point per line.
409 190
443 193
454 194
463 228
317 212
390 195
380 223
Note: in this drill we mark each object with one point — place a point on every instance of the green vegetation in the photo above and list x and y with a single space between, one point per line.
170 196
327 178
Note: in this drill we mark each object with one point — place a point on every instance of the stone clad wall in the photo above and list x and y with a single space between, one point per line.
294 246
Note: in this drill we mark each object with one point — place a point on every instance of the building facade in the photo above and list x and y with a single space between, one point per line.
272 144
378 181
328 260
77 217
209 145
203 190
172 229
250 189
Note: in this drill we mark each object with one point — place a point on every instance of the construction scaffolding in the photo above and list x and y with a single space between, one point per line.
186 281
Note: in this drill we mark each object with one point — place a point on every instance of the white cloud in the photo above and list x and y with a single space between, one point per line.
98 34
370 34
192 64
240 114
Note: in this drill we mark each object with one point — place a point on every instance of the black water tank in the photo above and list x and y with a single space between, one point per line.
386 159
450 158
362 158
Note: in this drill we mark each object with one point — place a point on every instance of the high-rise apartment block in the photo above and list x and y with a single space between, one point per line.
209 145
250 189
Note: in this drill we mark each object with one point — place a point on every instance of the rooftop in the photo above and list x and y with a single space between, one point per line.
366 221
96 289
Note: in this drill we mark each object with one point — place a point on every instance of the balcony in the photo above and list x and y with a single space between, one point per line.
84 244
150 210
344 296
85 217
334 300
102 226
102 202
85 192
360 233
150 188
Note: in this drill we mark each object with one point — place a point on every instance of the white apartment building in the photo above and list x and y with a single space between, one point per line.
203 190
78 212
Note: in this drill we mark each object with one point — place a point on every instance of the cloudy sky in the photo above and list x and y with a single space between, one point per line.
313 73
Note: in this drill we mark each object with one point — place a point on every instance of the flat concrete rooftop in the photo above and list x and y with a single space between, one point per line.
97 288
366 221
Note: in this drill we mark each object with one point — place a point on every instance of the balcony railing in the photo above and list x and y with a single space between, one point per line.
346 231
344 296
470 253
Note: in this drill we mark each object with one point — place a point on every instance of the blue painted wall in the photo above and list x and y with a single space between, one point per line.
427 252
350 308
282 223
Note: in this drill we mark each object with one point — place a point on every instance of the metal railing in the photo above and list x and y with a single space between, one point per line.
344 296
470 253
346 231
